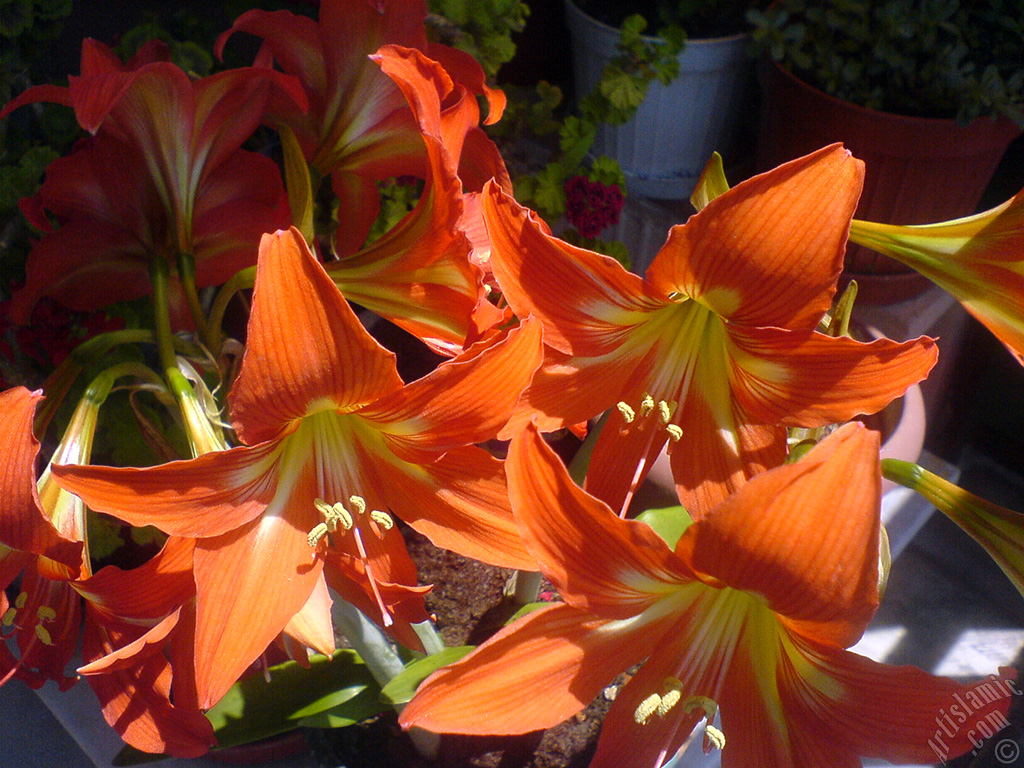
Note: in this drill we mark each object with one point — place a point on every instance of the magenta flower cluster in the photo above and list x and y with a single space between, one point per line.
590 206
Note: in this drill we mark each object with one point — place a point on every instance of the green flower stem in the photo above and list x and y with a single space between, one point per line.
368 641
376 652
159 276
428 635
187 272
241 280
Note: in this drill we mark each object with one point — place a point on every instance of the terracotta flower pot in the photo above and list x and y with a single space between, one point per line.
919 170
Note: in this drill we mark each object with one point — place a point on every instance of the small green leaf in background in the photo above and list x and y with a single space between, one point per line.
668 522
403 687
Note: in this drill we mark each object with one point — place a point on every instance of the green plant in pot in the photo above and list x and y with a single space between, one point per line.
700 61
928 92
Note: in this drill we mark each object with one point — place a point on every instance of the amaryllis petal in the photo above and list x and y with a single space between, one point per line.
312 627
822 571
206 496
783 251
23 523
607 301
719 450
308 353
926 705
600 563
462 401
779 378
419 275
150 701
250 583
547 653
153 590
460 502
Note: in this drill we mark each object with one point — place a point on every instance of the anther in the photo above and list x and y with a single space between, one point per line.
43 635
646 406
316 534
358 504
628 414
664 412
675 432
673 693
20 600
713 738
646 708
383 519
46 613
8 617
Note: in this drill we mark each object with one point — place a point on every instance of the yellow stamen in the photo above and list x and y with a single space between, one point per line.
673 693
316 534
646 405
383 519
707 704
43 635
628 414
20 600
713 738
8 617
675 432
358 503
647 708
46 613
664 412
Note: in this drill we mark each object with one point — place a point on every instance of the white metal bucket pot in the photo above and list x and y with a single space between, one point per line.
664 147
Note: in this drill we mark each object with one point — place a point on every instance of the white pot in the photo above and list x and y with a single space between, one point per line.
664 148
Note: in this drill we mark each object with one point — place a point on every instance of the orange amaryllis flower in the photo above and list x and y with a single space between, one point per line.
333 443
716 349
45 616
979 259
192 190
358 129
750 613
419 274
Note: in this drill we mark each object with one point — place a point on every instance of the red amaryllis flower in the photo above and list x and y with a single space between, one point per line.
419 274
333 444
163 175
358 129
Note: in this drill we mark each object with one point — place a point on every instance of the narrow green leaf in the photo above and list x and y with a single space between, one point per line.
254 709
403 687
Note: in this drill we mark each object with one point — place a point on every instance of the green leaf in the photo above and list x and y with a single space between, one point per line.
364 704
254 708
668 522
403 687
528 608
621 89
